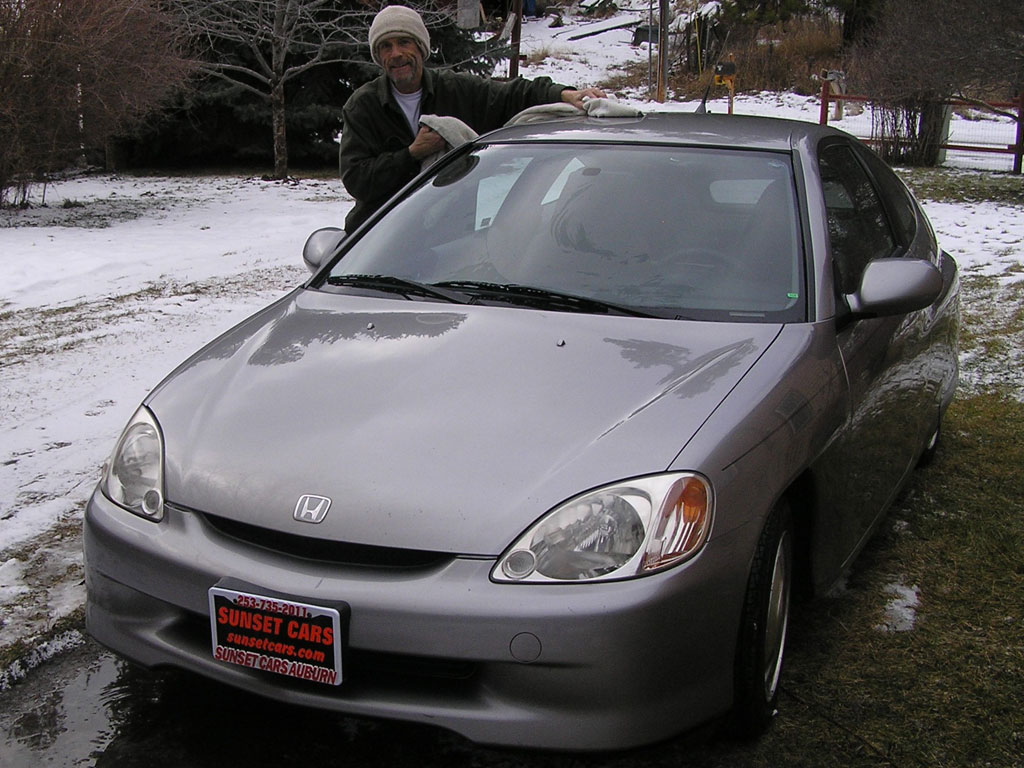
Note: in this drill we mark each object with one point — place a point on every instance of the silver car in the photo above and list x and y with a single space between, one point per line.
541 451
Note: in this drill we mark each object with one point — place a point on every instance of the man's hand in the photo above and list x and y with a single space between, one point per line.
427 143
576 98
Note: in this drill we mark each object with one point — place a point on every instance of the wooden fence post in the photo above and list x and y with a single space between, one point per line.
826 91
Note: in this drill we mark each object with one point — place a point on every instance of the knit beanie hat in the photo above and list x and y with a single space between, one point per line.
395 21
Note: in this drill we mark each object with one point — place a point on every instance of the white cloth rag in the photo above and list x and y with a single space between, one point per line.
591 108
454 132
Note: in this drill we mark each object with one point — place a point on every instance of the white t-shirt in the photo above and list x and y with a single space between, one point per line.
410 104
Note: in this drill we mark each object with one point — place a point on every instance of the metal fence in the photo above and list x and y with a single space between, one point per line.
979 134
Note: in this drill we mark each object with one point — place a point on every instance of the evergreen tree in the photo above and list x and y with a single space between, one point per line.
225 122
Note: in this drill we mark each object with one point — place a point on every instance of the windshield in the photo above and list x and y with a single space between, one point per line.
665 231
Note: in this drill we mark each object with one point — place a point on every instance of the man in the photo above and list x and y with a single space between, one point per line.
383 144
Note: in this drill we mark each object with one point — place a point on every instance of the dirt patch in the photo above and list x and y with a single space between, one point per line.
29 333
87 214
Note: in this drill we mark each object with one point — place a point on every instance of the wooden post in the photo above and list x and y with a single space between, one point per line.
515 8
826 90
663 9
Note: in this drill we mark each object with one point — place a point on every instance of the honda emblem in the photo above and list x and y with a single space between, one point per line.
311 509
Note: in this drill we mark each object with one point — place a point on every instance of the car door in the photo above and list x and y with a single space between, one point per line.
889 392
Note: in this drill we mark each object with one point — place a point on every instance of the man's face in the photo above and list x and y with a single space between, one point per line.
402 62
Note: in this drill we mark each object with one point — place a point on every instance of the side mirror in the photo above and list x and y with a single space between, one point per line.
320 245
895 287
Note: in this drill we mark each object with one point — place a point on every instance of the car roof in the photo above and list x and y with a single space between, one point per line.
691 129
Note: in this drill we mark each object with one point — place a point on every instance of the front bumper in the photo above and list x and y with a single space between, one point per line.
583 667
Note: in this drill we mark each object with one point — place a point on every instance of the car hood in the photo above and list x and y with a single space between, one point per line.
432 426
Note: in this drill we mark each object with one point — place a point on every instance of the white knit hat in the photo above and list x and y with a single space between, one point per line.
395 21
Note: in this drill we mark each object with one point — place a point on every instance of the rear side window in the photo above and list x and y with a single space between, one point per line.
858 227
895 194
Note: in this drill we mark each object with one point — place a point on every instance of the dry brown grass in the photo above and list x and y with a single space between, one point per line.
779 57
784 56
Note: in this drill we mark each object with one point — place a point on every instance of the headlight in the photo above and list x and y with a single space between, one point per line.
622 530
134 475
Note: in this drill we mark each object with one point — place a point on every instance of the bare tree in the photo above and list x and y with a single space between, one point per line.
261 45
947 47
73 72
921 52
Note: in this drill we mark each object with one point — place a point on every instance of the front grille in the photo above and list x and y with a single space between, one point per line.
372 665
324 550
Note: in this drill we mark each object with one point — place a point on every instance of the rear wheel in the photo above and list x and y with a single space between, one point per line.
762 639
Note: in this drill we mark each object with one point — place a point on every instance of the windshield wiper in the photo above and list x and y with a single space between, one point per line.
399 285
546 298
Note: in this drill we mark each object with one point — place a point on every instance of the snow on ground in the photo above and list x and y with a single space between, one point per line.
117 279
901 610
150 228
986 238
102 293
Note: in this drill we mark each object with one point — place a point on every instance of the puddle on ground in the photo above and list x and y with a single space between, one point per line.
62 718
90 708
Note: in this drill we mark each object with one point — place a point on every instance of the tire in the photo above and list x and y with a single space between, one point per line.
763 627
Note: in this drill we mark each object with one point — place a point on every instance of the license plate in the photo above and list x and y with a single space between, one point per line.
275 635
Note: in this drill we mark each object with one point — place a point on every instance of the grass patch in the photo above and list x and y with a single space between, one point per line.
992 335
539 56
22 650
50 561
950 186
630 77
962 665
